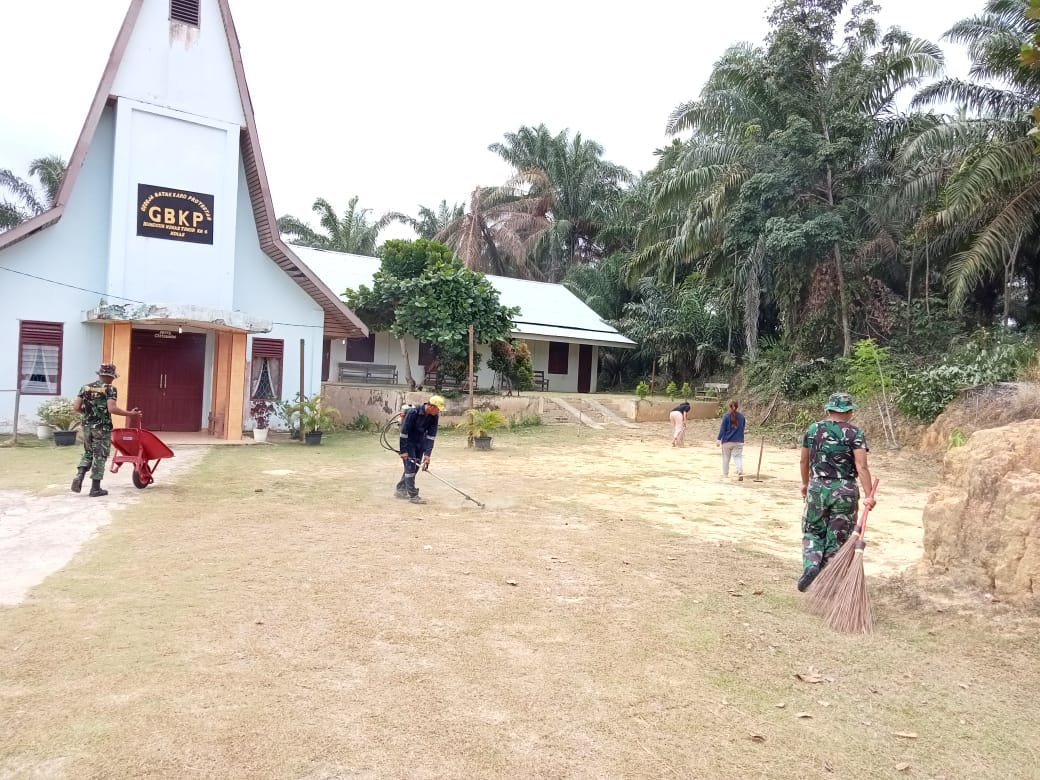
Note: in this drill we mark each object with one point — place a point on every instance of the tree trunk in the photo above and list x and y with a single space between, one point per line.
910 296
1009 267
843 298
407 366
753 299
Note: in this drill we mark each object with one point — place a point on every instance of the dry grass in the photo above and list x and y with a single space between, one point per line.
321 629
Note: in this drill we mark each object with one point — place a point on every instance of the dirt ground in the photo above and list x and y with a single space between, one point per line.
616 610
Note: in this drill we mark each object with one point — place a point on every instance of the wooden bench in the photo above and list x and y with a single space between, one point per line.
432 379
712 390
369 372
540 382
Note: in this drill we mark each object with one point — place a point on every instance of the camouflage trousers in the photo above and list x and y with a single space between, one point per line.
828 520
97 444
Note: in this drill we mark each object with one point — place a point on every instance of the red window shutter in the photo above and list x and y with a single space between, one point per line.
41 375
559 354
34 332
268 348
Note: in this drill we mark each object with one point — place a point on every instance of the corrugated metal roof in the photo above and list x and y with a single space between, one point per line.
547 310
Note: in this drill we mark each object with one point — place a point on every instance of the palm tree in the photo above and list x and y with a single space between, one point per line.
21 200
786 143
351 233
979 172
433 221
577 183
496 234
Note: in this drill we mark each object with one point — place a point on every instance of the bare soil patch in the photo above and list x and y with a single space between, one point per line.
616 611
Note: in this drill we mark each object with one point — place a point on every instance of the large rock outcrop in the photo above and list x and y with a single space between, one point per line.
982 521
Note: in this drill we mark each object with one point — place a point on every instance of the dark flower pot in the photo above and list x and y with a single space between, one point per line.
64 438
313 438
482 442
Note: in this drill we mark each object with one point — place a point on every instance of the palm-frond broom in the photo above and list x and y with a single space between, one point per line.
825 587
850 610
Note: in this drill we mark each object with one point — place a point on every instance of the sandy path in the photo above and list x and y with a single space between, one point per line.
41 532
684 488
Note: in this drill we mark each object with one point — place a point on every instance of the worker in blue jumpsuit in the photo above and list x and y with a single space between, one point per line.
418 434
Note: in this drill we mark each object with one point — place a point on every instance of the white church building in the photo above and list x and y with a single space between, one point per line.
162 253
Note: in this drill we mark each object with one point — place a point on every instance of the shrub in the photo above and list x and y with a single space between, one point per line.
686 391
59 414
672 390
642 390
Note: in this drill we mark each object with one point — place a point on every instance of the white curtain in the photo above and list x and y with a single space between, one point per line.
266 378
40 369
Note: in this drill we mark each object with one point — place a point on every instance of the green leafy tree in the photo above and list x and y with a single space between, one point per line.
422 291
513 361
353 232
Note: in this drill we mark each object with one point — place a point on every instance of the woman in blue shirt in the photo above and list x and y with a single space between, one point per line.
731 438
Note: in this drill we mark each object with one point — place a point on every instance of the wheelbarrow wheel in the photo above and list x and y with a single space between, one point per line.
141 482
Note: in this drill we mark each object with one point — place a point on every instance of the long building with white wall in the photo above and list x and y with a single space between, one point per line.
162 254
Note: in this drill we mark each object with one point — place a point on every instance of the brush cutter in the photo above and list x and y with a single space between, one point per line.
385 443
441 479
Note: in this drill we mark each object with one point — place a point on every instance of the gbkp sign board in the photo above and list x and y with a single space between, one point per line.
177 215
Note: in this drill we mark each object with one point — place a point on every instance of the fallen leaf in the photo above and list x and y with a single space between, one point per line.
903 767
904 734
828 766
780 706
963 685
811 677
803 715
757 738
734 593
511 582
740 582
258 490
625 563
757 592
824 703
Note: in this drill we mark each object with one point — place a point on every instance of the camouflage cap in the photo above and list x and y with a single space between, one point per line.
840 402
107 369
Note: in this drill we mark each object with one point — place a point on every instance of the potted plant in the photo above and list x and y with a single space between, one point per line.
59 414
317 418
261 412
290 412
478 423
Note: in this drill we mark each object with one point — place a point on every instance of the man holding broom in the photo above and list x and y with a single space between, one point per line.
834 454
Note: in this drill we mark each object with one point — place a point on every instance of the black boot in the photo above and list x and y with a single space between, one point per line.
807 577
96 490
77 481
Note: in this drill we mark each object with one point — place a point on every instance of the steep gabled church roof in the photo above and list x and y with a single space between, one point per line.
340 321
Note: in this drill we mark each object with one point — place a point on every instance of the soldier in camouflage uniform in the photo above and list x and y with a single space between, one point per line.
97 403
834 454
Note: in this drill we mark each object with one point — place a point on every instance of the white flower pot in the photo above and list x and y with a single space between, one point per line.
260 434
44 431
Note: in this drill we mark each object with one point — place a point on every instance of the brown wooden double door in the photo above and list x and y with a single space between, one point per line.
167 374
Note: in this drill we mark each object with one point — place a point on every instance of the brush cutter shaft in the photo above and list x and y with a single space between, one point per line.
441 479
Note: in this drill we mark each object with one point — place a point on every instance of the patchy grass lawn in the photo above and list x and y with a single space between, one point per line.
275 613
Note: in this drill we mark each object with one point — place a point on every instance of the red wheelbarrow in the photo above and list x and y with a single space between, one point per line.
139 447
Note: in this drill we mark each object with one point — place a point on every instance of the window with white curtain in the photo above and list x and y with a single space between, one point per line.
39 357
266 374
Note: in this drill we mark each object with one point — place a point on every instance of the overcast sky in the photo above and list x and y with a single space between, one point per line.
397 100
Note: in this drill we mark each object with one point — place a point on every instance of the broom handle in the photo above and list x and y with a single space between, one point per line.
866 511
